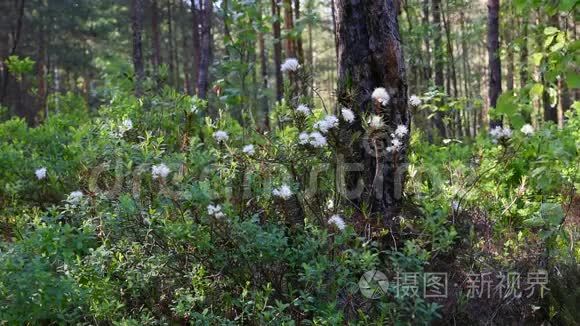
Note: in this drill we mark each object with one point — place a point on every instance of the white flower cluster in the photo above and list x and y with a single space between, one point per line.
40 173
215 211
125 126
283 192
376 122
381 95
315 139
75 197
220 136
500 133
290 64
527 129
337 221
330 121
303 109
160 171
401 131
414 100
249 149
396 143
347 115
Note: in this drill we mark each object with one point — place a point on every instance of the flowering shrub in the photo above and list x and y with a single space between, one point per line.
145 216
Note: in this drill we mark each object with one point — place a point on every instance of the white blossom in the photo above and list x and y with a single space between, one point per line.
347 115
160 171
396 145
381 95
305 110
414 100
40 173
496 132
337 221
507 132
75 197
329 122
317 139
446 141
455 205
283 192
291 64
527 129
220 136
499 132
249 149
303 138
127 125
215 210
401 131
376 122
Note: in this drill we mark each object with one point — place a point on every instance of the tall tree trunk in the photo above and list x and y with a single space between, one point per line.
439 78
510 54
370 56
137 27
289 26
41 77
155 37
277 49
299 46
465 58
15 37
550 111
205 44
524 55
195 45
334 28
185 50
263 73
426 25
493 56
172 35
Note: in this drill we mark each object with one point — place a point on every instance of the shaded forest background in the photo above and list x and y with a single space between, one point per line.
230 50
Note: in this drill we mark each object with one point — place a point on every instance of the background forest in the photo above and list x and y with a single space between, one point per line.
193 162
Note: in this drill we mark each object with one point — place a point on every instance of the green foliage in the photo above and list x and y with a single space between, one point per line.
18 66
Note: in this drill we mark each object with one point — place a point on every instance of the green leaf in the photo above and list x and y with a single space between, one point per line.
517 121
557 47
573 79
549 41
537 58
550 30
534 221
506 104
567 5
536 90
552 213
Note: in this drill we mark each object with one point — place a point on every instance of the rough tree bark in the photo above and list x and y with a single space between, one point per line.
263 72
425 22
493 56
524 55
370 56
195 43
439 78
155 38
137 27
205 53
299 46
277 49
550 109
